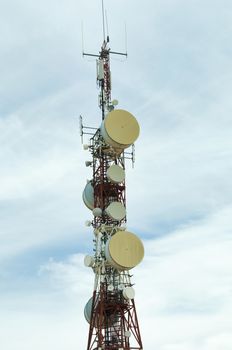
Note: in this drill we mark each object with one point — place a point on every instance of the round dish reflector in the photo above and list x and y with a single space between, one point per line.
128 293
111 316
88 196
88 309
88 261
120 128
124 250
115 174
116 211
97 212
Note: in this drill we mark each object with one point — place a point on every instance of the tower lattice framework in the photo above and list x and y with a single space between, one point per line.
111 311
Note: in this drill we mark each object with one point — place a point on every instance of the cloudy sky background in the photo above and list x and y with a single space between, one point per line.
177 81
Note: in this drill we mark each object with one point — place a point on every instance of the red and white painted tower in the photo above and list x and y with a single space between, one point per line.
111 312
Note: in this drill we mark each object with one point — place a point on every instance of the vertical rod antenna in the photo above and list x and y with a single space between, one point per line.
82 37
107 27
103 21
125 38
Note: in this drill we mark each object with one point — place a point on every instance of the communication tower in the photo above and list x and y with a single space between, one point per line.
111 312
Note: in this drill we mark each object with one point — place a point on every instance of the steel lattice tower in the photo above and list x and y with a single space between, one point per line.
111 312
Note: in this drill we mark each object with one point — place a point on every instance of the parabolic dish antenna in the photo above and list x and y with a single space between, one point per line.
116 211
111 317
88 196
88 309
124 250
120 129
115 174
128 293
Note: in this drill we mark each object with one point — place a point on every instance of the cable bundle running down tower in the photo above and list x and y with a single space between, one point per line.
111 312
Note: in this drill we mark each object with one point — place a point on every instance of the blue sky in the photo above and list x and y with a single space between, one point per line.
177 81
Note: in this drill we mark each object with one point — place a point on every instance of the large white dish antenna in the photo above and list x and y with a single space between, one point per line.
124 250
111 318
115 174
88 196
88 310
116 211
120 129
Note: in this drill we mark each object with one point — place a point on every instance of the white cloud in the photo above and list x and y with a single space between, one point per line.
69 276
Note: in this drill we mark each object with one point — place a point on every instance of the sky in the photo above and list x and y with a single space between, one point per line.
177 81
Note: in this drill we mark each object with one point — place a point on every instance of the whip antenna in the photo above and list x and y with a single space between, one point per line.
107 28
125 38
103 21
82 37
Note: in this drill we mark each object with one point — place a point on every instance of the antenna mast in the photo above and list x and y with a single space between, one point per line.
111 312
103 69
